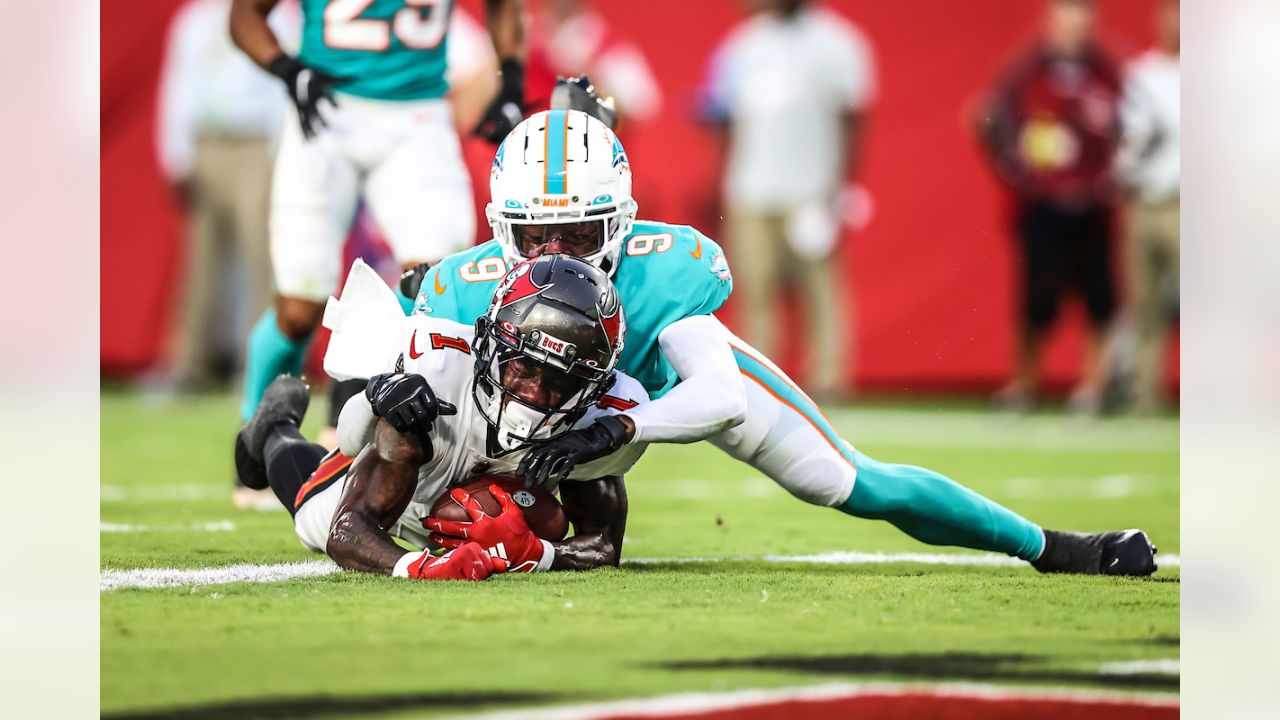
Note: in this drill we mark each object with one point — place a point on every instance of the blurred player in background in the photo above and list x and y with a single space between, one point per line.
1051 129
569 38
791 87
561 183
1150 167
219 117
369 87
455 401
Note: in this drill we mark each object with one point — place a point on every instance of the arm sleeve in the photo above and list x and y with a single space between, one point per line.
710 397
355 425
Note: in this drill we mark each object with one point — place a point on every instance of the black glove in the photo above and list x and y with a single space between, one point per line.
306 88
577 93
406 401
411 280
557 457
507 110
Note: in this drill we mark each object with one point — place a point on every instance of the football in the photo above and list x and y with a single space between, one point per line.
542 511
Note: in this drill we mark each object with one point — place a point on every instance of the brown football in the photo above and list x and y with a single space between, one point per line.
542 511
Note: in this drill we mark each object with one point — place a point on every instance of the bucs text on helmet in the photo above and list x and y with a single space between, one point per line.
546 349
561 175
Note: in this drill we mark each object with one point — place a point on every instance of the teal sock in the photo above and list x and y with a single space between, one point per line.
270 355
935 509
406 302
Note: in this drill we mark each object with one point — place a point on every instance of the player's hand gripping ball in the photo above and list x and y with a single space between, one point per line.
510 525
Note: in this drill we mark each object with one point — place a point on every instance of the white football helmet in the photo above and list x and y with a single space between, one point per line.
562 167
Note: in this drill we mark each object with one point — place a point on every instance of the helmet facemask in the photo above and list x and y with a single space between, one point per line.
503 359
519 232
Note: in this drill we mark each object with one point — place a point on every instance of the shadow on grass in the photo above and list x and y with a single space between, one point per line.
326 706
932 666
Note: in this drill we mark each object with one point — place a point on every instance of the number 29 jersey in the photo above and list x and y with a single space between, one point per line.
666 273
382 49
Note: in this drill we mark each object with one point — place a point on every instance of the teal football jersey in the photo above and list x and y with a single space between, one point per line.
666 273
385 49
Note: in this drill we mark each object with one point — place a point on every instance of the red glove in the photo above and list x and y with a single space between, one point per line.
507 536
468 561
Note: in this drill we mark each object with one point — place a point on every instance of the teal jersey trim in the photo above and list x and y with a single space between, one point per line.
553 168
666 273
385 68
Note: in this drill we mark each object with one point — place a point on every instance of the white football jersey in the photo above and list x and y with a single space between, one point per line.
441 351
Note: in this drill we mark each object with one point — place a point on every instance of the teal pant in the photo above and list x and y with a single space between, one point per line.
935 509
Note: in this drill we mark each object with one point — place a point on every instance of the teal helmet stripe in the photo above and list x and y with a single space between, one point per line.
554 164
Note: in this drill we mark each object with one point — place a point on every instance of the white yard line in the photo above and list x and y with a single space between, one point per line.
143 578
1161 666
162 493
219 526
692 704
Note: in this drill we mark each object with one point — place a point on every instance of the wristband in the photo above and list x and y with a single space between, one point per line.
548 556
513 77
284 67
402 565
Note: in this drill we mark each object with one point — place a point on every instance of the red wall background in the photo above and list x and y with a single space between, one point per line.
931 279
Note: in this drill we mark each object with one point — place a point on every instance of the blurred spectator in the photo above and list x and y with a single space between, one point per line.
791 85
568 37
1150 166
1051 129
218 119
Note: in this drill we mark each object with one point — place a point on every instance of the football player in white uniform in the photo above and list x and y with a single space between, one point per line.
373 122
454 401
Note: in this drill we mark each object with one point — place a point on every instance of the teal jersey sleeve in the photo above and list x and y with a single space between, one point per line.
460 287
383 49
667 273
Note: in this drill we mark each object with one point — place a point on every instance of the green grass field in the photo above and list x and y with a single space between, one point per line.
718 614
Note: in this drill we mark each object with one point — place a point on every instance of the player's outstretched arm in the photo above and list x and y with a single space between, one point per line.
598 511
379 488
380 485
710 397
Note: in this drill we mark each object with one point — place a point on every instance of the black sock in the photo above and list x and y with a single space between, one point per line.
290 461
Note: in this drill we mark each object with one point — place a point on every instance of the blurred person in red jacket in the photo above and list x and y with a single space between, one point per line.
1051 129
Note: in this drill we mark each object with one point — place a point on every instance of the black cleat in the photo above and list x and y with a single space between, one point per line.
285 401
1118 552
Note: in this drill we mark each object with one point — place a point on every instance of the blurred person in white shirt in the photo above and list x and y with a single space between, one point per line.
791 85
1149 163
219 116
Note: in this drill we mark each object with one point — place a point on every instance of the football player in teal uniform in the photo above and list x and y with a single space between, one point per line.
561 183
372 121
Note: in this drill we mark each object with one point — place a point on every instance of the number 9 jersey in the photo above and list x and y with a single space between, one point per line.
666 273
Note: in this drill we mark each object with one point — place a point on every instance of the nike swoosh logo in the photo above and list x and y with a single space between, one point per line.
413 350
696 252
439 288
